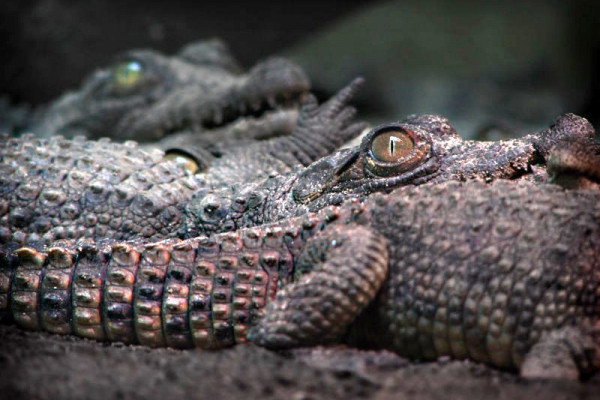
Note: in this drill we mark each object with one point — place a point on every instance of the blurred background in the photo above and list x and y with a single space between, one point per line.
494 68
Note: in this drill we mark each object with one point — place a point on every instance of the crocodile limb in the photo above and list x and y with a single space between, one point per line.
420 149
319 130
505 274
502 273
201 292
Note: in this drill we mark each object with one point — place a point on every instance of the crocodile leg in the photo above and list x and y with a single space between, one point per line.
564 353
203 292
337 275
319 130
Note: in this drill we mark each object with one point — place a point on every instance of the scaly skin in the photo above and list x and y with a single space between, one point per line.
505 273
184 206
438 155
59 188
186 99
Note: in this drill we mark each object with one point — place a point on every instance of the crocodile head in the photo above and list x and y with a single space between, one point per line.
426 148
145 95
419 150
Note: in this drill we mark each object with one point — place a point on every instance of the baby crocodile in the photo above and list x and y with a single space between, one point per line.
505 273
420 149
196 94
105 204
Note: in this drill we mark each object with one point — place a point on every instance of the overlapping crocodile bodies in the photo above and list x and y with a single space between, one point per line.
504 273
439 155
507 274
58 188
204 292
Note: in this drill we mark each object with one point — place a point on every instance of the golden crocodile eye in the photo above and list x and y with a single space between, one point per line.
390 146
188 163
127 73
393 149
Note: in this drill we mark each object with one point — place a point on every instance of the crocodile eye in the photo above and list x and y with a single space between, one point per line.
127 74
390 146
188 163
392 149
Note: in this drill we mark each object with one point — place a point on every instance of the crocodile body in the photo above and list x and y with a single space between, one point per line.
199 94
437 155
60 188
275 283
116 191
504 273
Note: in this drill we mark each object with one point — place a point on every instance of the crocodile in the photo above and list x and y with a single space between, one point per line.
417 150
207 291
55 188
504 273
157 203
198 94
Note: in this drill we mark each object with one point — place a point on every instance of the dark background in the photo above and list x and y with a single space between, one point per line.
50 45
510 63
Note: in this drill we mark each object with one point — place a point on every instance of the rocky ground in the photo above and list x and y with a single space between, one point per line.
42 366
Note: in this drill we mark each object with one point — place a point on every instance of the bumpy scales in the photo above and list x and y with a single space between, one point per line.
432 153
505 273
58 188
198 96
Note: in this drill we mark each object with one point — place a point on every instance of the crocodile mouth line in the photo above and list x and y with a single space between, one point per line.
249 110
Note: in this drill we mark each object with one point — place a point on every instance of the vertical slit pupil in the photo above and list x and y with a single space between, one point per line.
391 145
393 140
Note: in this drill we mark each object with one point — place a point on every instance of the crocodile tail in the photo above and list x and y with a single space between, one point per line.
7 265
201 292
